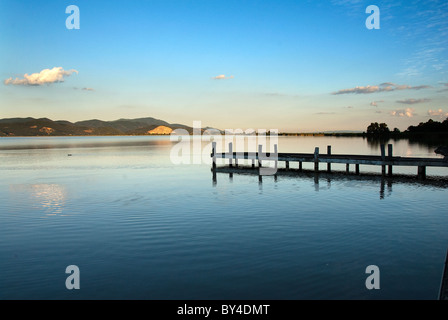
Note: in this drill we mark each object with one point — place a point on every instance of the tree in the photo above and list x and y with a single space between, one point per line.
378 128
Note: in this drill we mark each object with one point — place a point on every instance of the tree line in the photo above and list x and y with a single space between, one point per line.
430 126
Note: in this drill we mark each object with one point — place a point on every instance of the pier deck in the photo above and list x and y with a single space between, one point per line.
382 160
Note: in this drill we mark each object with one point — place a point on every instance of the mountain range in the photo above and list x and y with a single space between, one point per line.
95 127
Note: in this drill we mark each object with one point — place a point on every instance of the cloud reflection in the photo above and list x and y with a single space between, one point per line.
49 197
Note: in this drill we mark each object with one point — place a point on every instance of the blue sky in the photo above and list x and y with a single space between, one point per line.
287 65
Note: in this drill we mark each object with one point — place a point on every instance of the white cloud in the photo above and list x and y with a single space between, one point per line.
408 112
437 113
88 89
46 76
222 77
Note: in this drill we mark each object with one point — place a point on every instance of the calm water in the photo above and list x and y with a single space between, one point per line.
140 227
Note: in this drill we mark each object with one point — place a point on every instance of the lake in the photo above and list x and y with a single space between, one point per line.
139 226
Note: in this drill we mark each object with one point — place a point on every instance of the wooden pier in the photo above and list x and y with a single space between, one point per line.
385 161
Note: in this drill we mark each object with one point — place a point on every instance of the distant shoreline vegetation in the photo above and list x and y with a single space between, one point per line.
430 132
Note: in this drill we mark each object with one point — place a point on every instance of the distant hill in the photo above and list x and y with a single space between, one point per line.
95 127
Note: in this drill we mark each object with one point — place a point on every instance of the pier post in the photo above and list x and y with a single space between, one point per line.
383 157
231 155
316 159
276 156
421 172
300 166
287 165
357 168
253 163
389 155
329 163
347 168
214 155
260 151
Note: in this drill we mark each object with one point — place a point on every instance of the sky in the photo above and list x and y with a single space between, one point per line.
291 65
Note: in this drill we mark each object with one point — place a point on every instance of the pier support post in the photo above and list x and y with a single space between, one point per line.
422 172
253 163
214 155
231 155
300 166
260 151
347 168
316 159
329 164
276 156
287 165
357 168
383 158
389 155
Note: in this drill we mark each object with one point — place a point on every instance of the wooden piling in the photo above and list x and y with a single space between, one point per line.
383 157
231 155
357 168
260 151
329 163
389 155
421 172
316 159
347 168
287 165
214 156
300 166
276 156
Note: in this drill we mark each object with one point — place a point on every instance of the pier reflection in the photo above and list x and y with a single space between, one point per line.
384 183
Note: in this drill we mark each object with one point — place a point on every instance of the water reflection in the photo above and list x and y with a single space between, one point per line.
49 197
428 144
385 183
19 143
